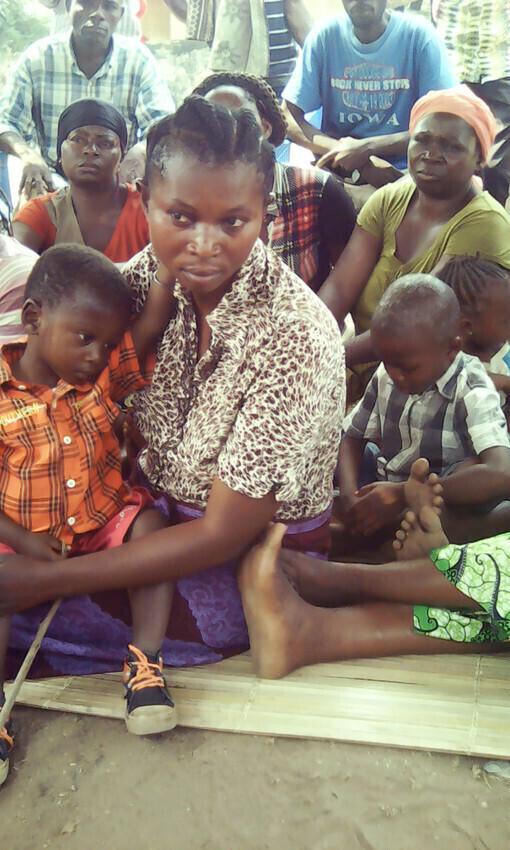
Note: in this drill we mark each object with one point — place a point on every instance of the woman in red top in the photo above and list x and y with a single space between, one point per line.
95 209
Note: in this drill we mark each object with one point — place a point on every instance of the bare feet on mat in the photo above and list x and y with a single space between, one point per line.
423 488
273 610
418 534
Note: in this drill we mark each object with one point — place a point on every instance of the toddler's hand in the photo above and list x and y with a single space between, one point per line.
42 547
377 505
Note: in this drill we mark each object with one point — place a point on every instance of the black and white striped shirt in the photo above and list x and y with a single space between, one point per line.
282 47
459 417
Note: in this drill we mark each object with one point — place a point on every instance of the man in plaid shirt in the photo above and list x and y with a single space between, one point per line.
88 61
427 399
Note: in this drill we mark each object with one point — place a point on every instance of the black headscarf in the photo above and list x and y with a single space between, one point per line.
90 112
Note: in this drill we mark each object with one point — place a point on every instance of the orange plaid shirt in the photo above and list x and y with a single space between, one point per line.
59 457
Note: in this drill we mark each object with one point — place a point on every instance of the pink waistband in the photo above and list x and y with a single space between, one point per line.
293 526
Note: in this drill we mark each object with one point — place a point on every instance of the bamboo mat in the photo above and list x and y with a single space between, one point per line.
444 703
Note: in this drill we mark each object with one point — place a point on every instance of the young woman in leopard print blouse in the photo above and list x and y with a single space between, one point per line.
242 418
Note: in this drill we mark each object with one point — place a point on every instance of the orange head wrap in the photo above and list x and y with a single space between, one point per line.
462 102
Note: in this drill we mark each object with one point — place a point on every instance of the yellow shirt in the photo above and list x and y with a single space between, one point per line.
482 226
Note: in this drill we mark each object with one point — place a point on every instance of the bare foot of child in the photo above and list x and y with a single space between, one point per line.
423 488
273 610
418 534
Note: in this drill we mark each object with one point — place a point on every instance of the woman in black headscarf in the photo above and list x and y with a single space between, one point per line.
95 209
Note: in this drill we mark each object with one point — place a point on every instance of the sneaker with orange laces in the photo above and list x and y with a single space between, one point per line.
149 706
6 745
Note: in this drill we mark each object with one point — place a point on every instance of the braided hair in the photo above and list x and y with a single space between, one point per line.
213 135
471 279
256 90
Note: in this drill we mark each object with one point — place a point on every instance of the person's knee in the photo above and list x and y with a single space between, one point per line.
147 522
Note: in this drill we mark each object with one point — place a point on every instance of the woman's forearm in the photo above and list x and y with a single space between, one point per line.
166 555
230 525
157 311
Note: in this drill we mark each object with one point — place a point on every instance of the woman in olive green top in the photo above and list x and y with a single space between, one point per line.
418 223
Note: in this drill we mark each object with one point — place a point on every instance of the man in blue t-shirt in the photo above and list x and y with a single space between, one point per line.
365 69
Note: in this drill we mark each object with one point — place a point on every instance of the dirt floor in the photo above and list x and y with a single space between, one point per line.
83 783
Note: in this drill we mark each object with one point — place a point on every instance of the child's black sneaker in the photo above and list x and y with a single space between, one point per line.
149 706
6 745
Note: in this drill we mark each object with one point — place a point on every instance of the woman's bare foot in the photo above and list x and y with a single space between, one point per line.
417 535
275 614
296 568
423 488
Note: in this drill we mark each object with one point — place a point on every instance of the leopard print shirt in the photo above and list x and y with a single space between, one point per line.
262 409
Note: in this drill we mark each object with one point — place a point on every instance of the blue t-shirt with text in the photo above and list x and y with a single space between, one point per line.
368 89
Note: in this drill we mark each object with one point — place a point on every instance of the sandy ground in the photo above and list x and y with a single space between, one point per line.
83 783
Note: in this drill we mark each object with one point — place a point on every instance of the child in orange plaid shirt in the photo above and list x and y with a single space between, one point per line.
61 488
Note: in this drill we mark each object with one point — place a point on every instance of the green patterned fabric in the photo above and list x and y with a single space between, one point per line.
481 571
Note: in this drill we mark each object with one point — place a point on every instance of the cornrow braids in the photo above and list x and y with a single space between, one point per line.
470 278
256 89
211 133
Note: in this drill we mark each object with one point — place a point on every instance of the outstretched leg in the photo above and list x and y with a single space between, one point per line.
286 632
414 581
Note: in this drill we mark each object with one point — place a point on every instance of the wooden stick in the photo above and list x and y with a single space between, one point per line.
24 670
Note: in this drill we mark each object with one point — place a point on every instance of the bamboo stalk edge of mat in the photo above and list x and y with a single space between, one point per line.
454 704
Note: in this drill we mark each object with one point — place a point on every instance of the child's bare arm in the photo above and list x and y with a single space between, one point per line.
376 506
350 457
156 313
486 479
24 542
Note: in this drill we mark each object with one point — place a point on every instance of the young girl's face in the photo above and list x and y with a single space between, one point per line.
489 328
204 221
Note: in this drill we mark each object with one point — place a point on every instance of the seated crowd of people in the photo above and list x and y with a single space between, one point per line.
208 348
